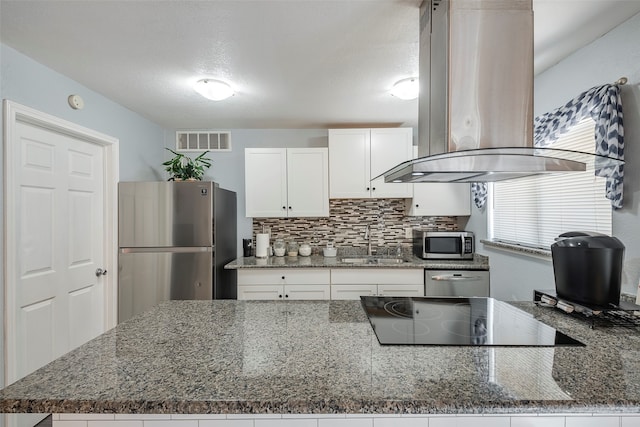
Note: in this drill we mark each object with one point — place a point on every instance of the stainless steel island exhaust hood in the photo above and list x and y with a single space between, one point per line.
476 103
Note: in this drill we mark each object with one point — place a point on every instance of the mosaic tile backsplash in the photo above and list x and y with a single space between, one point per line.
347 222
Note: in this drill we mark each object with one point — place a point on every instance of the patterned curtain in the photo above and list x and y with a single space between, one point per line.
604 105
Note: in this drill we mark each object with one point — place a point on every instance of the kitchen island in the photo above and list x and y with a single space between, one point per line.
307 359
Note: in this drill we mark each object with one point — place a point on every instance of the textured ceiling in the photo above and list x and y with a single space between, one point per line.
293 63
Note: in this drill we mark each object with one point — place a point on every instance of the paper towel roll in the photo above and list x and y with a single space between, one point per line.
262 245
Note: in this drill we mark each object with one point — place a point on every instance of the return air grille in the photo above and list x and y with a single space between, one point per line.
203 140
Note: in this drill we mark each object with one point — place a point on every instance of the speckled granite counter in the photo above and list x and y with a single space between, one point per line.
319 357
479 262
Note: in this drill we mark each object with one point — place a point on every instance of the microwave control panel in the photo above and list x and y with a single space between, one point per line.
468 245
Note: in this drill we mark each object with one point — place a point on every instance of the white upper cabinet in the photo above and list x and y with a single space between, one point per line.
308 182
286 182
349 163
265 180
356 156
440 199
390 147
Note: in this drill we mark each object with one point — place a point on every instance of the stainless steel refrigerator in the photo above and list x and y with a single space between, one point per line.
174 240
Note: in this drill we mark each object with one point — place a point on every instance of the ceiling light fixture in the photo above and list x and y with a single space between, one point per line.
214 90
406 88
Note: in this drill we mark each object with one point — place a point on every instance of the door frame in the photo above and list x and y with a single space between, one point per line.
15 113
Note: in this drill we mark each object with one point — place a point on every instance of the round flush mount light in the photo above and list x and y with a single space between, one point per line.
214 90
406 89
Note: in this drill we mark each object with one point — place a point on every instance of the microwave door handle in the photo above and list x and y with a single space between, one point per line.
462 245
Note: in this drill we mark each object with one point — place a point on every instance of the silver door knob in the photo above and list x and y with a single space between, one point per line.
101 272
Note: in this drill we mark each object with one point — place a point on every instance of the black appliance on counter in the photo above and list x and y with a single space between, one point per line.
588 267
457 321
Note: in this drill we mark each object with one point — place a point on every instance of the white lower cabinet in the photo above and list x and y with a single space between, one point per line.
324 284
351 283
275 284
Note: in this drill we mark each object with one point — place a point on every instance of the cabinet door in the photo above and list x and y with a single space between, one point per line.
390 147
349 163
307 292
307 182
440 199
260 292
401 290
352 292
265 172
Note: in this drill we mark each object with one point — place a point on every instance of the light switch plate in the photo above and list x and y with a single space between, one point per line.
408 233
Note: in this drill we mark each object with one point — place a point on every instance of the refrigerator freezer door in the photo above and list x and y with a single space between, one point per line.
165 214
147 278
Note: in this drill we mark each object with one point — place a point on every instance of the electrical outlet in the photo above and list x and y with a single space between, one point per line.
408 233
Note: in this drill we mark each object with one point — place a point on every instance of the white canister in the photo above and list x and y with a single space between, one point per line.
262 245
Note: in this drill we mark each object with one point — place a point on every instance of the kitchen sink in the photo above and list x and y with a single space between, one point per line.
370 260
390 260
357 260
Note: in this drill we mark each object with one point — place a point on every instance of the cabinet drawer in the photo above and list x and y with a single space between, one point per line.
352 292
260 292
307 292
401 290
280 276
377 276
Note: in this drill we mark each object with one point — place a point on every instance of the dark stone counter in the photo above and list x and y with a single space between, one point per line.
306 357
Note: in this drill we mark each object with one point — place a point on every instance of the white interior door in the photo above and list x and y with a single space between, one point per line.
60 228
59 221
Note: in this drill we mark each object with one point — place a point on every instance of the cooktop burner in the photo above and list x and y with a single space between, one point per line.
458 321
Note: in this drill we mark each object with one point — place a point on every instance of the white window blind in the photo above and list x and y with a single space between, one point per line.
534 211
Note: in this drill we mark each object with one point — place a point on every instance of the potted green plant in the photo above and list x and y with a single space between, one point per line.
183 168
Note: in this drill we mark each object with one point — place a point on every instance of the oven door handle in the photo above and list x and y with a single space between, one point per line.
453 277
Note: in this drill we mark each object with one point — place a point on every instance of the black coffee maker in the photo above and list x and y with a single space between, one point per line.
588 267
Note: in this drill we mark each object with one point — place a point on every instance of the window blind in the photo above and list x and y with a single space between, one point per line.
533 211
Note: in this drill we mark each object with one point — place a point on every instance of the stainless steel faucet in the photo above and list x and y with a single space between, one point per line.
367 237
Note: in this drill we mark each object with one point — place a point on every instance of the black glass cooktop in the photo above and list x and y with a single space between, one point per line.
458 321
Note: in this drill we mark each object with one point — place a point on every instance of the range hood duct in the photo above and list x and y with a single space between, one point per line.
476 123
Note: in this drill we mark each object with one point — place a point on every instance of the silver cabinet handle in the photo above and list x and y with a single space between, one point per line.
100 272
457 278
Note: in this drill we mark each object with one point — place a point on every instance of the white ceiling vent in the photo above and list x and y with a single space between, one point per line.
199 140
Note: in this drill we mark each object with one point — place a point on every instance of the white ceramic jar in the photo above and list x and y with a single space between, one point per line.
305 249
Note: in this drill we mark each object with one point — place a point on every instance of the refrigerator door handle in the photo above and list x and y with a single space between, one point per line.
166 249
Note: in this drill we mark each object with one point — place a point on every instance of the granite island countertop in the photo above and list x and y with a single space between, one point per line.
258 357
479 262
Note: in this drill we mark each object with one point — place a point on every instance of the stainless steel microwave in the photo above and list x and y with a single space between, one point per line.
443 244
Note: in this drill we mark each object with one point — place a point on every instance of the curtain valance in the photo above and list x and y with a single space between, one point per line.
604 105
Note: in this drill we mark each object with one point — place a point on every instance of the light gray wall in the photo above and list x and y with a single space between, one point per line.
228 167
616 54
29 83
